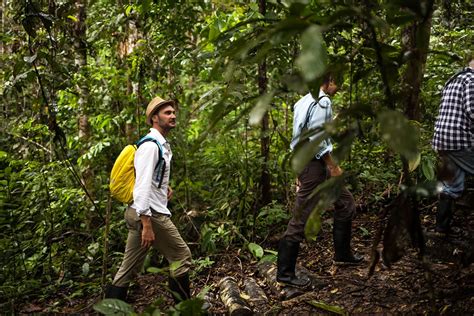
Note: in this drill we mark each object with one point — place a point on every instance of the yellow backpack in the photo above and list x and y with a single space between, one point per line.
122 177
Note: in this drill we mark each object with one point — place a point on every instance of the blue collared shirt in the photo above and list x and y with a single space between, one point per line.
320 113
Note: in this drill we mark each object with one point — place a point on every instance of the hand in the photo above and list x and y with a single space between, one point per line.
335 171
170 193
148 236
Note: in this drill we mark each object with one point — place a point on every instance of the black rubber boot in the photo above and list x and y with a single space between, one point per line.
444 215
287 254
117 292
179 287
342 244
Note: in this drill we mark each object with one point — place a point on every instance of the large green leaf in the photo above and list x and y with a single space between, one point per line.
427 168
111 306
305 151
262 106
256 250
313 225
327 193
344 143
330 308
399 134
313 59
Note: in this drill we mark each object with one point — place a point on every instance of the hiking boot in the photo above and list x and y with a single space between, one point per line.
286 263
116 292
444 214
179 287
342 244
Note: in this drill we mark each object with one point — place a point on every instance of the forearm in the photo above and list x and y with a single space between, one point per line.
146 221
148 236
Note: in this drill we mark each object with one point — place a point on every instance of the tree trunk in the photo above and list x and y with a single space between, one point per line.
416 39
82 89
265 138
2 19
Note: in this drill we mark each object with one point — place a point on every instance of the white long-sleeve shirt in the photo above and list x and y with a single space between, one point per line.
319 113
147 192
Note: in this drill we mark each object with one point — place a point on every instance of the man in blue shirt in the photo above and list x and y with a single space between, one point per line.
311 114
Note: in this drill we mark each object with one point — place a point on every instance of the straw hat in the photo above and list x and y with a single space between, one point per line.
154 106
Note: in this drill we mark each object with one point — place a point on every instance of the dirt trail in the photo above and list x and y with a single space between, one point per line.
405 288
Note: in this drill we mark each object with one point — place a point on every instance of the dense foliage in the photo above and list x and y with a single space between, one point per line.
76 77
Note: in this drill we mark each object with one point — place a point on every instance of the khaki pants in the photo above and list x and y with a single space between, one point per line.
168 242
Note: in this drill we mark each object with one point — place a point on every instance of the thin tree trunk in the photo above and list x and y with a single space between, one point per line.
265 138
82 89
416 39
2 19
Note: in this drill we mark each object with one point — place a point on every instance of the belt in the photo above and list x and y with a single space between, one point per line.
154 212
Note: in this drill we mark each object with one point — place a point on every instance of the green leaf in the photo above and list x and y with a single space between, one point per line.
289 3
85 268
313 59
72 18
157 270
313 225
344 144
190 307
269 258
414 163
128 10
364 230
113 306
262 106
399 134
175 265
327 193
427 168
30 59
256 250
306 150
330 308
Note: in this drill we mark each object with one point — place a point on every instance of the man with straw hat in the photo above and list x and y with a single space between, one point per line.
148 217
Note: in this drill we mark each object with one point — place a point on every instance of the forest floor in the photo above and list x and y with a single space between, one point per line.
443 286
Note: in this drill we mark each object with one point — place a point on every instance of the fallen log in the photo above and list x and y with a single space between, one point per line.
230 295
269 270
256 296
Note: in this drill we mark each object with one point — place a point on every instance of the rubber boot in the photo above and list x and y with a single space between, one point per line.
117 292
179 287
444 215
287 254
342 244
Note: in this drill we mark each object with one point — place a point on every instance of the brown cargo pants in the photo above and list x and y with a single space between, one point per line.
315 173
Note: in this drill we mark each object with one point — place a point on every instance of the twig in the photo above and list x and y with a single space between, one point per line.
31 141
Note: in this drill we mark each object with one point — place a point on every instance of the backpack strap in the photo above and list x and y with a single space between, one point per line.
310 110
161 164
